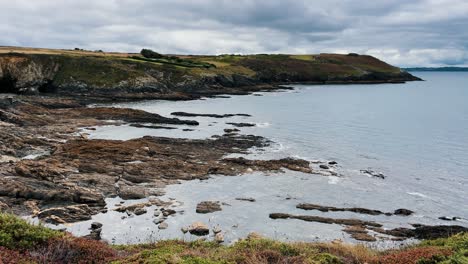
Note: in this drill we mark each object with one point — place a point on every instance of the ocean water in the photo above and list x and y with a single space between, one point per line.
416 134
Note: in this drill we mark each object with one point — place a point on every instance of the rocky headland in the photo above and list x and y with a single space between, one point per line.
132 77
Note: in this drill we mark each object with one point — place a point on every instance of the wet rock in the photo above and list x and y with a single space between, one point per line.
219 238
359 233
96 225
423 231
68 214
135 207
168 212
199 229
152 126
241 124
445 218
185 114
132 192
184 230
49 171
404 212
337 209
332 163
374 174
95 234
163 226
246 199
254 236
272 165
208 207
128 115
233 130
140 211
96 230
326 220
158 221
363 237
337 241
325 167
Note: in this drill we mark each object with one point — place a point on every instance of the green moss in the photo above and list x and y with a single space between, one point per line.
303 57
96 71
16 233
177 61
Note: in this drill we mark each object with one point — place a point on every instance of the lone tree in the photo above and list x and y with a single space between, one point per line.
147 53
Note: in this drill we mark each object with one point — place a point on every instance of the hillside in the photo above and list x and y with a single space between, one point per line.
77 72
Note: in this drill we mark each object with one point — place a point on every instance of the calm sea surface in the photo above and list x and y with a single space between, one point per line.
415 133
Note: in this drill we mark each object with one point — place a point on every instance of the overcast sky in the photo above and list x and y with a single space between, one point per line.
402 32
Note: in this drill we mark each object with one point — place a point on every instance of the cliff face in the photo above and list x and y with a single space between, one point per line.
104 75
21 74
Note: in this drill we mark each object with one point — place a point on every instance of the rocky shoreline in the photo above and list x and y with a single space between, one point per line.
71 175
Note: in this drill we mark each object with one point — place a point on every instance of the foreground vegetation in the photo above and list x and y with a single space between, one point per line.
21 242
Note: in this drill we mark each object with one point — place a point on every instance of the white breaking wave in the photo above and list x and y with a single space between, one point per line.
333 180
263 125
418 194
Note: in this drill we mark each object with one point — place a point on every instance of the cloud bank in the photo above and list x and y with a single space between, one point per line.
404 33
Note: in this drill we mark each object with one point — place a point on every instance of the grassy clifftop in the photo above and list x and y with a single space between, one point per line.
32 70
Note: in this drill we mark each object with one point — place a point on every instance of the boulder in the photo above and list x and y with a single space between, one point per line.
163 226
254 236
199 229
96 225
68 214
4 207
404 212
158 221
168 212
132 192
140 211
208 207
219 238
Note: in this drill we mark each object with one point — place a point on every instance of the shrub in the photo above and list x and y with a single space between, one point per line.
456 242
414 255
16 233
74 250
8 256
147 53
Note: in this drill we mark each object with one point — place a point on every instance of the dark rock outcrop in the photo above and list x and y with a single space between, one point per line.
326 220
199 229
68 214
185 114
208 207
241 124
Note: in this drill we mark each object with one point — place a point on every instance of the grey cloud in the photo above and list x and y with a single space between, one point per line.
405 33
